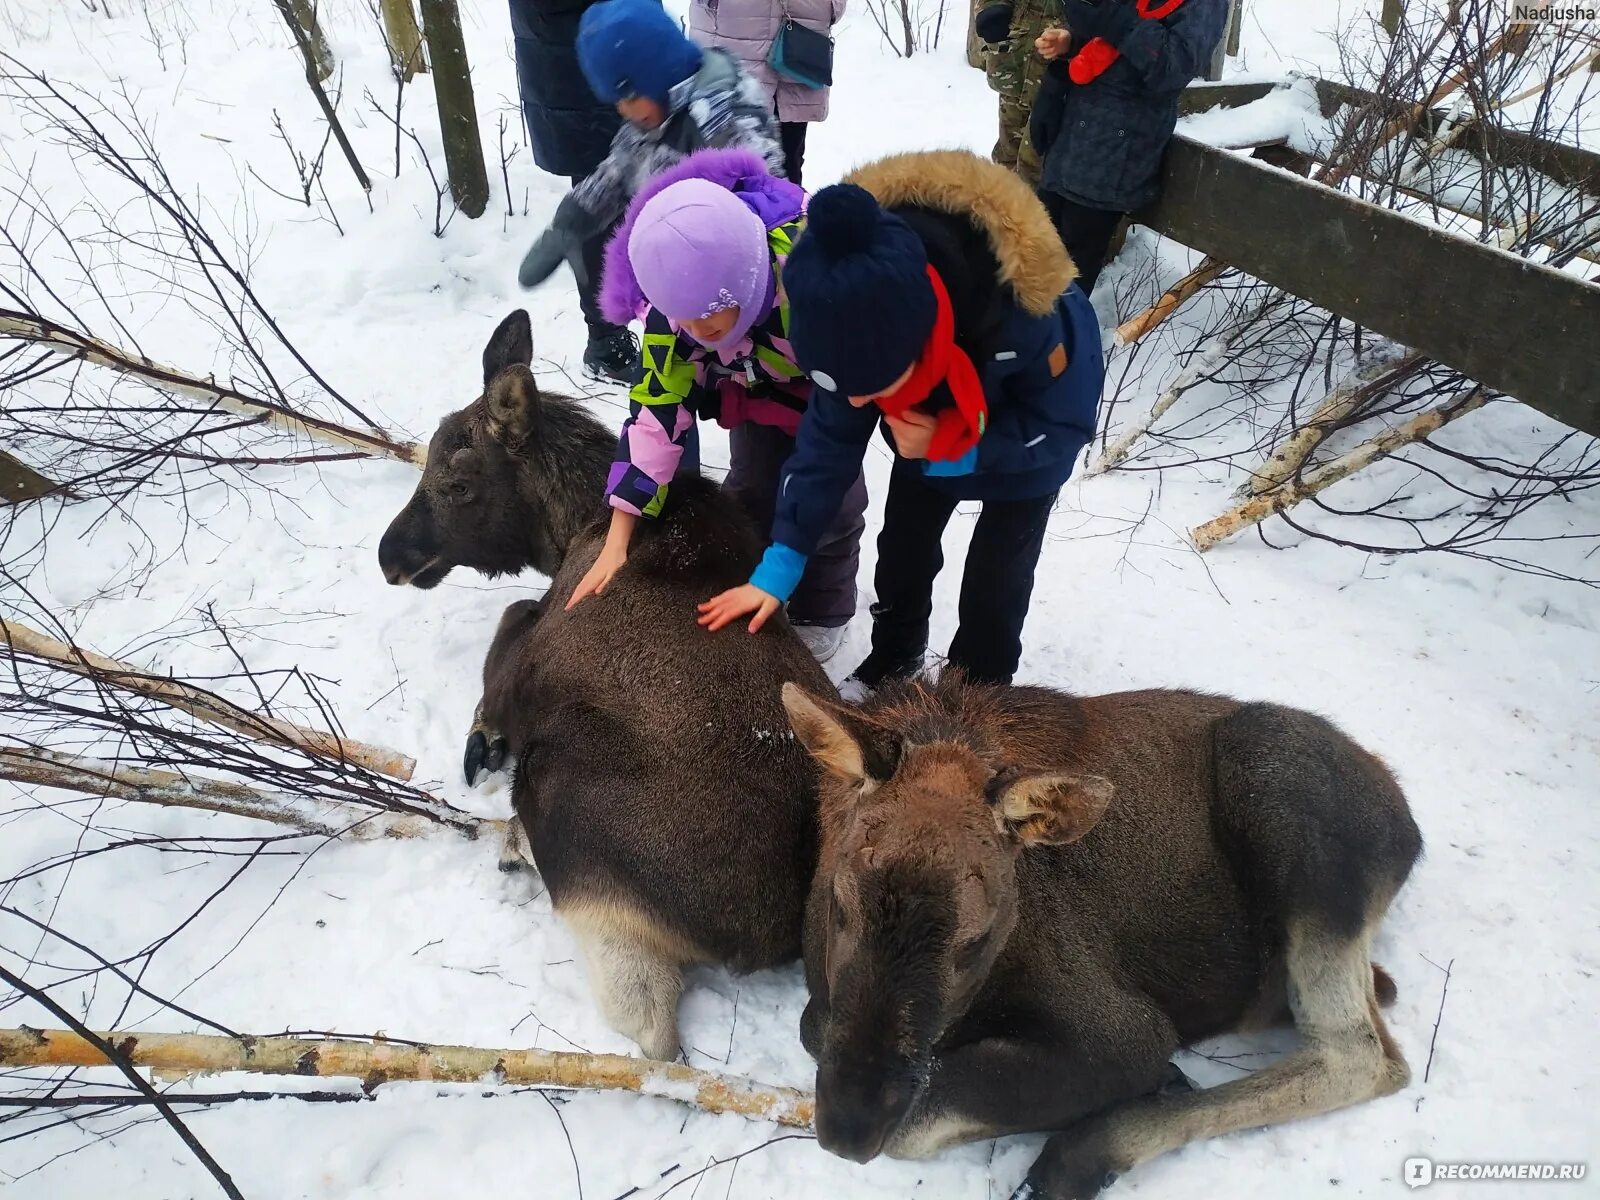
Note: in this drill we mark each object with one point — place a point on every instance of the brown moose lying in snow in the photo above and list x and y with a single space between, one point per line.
1027 901
671 815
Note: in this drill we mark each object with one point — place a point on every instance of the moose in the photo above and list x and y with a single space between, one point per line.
668 809
1026 901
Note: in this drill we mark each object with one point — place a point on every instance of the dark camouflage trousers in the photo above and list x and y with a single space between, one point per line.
1014 69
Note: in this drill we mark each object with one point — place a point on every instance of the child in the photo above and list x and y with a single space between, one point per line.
698 257
674 98
1107 107
933 295
570 131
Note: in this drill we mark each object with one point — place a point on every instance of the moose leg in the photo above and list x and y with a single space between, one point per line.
487 747
1348 1057
1000 1086
635 970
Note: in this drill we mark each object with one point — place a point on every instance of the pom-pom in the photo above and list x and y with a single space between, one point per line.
843 219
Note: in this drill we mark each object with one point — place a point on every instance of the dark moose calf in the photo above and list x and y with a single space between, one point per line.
1027 901
671 815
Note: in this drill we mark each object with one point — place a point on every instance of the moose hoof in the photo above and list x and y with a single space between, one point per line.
1074 1165
485 752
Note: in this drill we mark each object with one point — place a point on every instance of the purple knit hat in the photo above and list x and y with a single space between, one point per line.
696 250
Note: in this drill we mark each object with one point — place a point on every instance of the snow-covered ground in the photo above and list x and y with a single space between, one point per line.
1480 686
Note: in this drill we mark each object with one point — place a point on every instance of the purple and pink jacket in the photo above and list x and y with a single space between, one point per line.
757 380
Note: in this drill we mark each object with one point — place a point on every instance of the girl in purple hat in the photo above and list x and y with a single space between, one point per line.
697 259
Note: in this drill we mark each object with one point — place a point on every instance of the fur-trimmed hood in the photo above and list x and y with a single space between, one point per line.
743 172
1026 246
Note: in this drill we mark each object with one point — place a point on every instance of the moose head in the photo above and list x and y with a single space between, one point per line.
924 829
509 479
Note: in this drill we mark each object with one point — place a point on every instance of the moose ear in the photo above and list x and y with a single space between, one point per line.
1049 810
840 740
513 404
510 345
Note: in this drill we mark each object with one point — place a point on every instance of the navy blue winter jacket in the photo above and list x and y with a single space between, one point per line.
1041 375
1110 133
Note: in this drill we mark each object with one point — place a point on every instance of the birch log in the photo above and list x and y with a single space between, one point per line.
1259 508
208 706
25 327
1383 372
310 814
377 1062
1137 326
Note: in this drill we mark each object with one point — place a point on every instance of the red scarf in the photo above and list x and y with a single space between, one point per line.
1098 54
942 361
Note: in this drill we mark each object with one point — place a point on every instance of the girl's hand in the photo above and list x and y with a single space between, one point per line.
612 555
736 602
600 575
913 433
1052 44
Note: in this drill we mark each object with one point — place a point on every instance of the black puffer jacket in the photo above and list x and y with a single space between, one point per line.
569 128
1109 134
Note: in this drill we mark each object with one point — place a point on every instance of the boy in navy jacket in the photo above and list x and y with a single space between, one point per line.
931 295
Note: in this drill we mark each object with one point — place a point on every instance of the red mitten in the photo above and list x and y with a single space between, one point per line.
1097 54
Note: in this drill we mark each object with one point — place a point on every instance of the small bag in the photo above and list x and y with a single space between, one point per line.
802 54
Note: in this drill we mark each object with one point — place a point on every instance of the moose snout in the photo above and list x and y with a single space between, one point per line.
857 1111
406 559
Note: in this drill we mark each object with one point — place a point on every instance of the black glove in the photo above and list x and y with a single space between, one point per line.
1049 108
562 242
993 22
551 250
1109 19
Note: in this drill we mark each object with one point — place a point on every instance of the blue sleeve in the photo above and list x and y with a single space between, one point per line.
1044 415
1171 52
828 450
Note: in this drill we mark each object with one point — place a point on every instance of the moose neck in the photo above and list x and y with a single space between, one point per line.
566 477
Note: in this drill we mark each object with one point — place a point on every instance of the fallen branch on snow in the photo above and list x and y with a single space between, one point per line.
1377 376
377 1062
311 814
198 702
39 331
1268 504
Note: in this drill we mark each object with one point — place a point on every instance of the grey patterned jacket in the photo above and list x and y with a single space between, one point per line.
718 106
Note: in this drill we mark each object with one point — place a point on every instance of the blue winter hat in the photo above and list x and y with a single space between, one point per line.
633 48
861 306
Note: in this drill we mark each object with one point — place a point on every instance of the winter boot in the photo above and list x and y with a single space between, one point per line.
613 355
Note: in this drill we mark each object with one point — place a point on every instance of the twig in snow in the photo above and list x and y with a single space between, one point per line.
1432 1041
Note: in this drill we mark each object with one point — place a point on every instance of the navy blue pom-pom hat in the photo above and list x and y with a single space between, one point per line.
630 48
861 306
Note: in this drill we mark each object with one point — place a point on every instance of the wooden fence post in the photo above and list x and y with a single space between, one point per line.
458 112
405 39
1393 14
1226 44
19 481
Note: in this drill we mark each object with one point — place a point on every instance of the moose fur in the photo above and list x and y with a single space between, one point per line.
1027 901
669 812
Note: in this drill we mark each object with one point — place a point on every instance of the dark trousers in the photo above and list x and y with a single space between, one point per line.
827 592
594 261
792 137
1085 232
996 584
